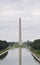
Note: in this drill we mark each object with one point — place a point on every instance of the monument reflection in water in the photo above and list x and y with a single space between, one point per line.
20 42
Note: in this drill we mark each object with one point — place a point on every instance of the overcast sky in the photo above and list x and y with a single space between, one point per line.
11 10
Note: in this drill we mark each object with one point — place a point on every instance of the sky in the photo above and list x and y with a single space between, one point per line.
11 10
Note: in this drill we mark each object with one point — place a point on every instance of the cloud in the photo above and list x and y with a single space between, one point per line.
11 10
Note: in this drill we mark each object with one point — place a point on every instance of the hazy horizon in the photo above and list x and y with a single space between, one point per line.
11 10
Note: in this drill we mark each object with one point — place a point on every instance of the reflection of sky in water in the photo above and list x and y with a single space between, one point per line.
12 58
27 58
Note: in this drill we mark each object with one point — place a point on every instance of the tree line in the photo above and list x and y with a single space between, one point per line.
35 44
3 44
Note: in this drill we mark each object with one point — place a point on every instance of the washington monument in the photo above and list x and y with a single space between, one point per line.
20 42
20 38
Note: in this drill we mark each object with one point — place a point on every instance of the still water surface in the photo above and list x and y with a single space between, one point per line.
12 58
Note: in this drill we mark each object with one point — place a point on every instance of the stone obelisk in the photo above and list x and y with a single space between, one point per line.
20 42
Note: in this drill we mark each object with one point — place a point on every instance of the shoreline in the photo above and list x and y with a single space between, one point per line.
3 53
38 59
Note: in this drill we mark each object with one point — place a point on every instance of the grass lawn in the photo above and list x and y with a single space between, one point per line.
1 51
36 52
19 46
